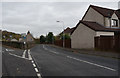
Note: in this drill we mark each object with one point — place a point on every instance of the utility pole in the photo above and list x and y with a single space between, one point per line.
63 33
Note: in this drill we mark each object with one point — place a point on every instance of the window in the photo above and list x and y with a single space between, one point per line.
114 23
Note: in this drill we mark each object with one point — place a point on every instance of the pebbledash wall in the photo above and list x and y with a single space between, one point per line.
93 15
83 37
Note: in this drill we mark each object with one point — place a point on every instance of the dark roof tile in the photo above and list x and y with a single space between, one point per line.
118 13
104 11
97 27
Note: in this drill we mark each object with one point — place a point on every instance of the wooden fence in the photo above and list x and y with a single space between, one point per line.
60 43
108 42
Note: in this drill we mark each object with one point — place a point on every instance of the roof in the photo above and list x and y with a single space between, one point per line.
68 30
118 13
104 11
97 27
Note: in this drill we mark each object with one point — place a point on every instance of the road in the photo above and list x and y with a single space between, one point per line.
45 60
15 63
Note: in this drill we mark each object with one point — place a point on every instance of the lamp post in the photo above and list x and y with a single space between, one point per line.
63 33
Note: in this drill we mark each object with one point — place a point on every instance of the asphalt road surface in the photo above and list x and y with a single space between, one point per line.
15 64
45 60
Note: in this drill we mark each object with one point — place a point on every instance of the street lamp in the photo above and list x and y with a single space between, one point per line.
63 33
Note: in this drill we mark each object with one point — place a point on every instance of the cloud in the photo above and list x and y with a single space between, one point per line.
41 17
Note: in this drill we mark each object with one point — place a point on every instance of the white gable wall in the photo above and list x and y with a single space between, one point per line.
83 37
93 15
107 22
114 16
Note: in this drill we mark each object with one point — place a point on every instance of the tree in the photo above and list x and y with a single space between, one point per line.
50 38
42 39
66 36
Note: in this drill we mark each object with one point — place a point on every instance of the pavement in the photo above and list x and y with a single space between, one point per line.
46 61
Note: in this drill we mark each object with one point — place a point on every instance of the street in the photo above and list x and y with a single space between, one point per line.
45 60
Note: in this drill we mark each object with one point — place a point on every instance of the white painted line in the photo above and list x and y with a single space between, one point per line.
44 47
39 75
29 56
92 63
50 50
34 65
6 49
24 54
18 56
53 52
69 56
9 50
36 69
32 61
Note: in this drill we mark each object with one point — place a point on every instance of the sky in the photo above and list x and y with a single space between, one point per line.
40 17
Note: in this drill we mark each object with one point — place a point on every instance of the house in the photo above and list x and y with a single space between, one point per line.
29 37
97 21
26 38
68 31
14 40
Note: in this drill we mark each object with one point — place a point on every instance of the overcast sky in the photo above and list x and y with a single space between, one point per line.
40 17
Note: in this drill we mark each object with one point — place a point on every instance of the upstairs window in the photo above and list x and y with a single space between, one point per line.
114 23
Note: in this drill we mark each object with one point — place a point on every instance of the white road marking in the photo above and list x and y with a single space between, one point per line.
24 53
83 60
50 50
6 49
34 65
32 61
9 50
36 69
39 75
92 63
44 47
29 56
18 56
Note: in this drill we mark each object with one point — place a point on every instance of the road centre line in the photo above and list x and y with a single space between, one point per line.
36 69
92 63
50 50
39 75
84 61
34 65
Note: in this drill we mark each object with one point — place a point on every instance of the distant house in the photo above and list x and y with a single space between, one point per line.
27 38
97 21
14 40
68 31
